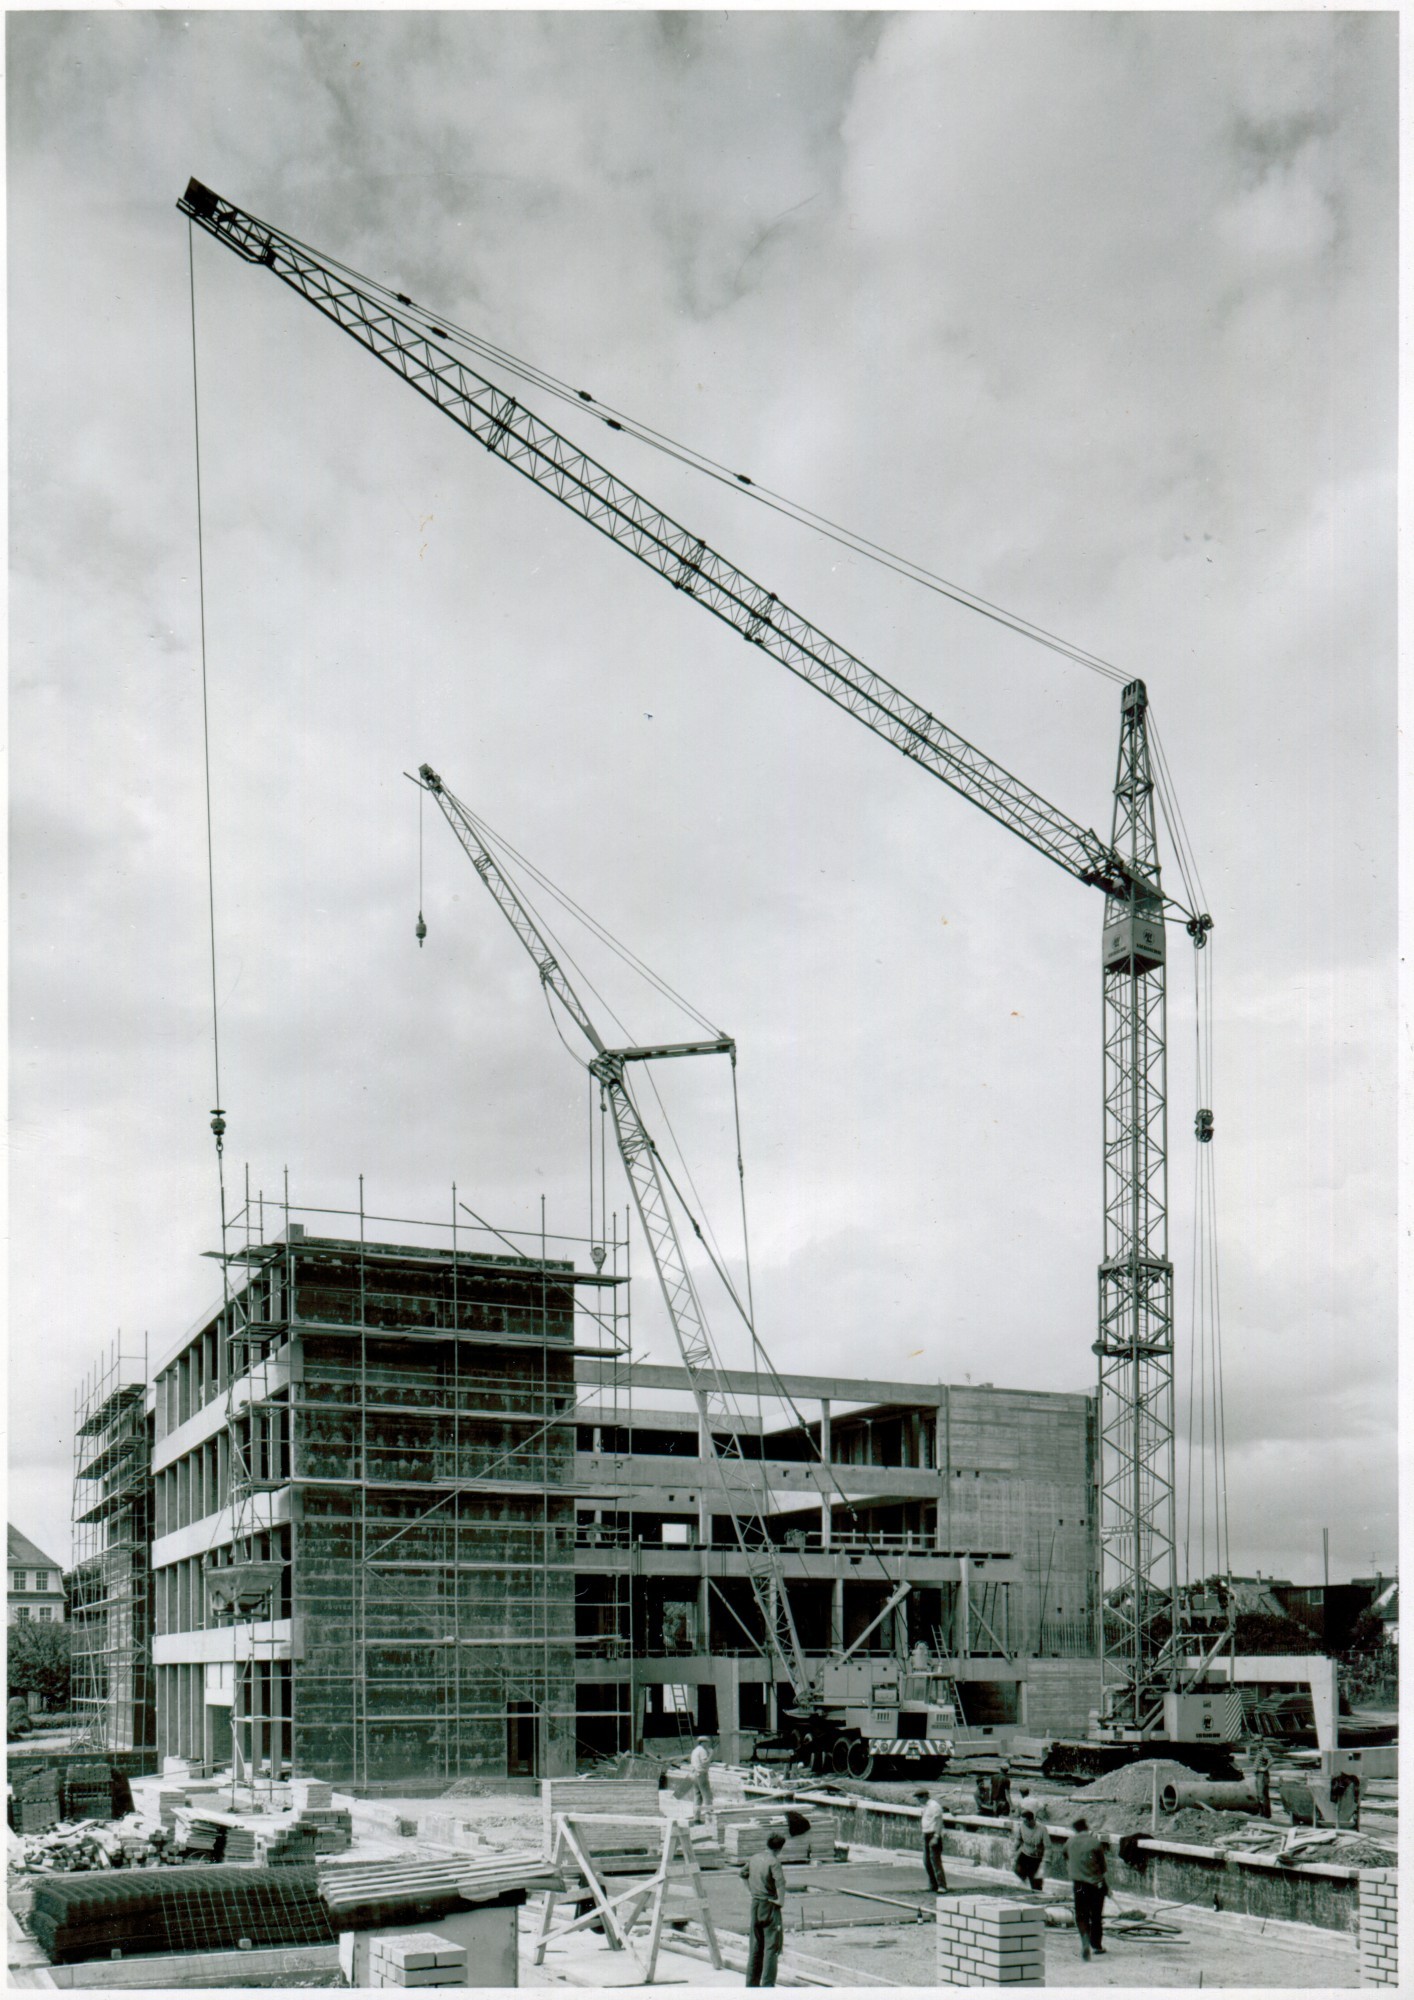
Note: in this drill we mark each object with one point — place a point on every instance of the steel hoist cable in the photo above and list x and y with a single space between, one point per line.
739 483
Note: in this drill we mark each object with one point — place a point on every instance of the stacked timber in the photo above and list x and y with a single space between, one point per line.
368 1895
241 1842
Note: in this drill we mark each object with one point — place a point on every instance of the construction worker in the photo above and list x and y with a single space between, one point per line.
1085 1865
765 1878
1028 1849
933 1842
699 1766
1262 1780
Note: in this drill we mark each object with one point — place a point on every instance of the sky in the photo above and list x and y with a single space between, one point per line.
1093 314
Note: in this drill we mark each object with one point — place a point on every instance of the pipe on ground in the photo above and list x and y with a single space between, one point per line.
1218 1797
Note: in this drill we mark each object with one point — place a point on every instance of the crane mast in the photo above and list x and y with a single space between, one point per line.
1135 1446
1137 1601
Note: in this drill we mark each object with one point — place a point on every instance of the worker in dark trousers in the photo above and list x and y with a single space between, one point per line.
1028 1849
1261 1781
1085 1865
765 1878
933 1842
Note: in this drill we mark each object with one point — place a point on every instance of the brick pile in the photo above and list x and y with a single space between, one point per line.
1379 1927
88 1792
989 1941
419 1959
35 1807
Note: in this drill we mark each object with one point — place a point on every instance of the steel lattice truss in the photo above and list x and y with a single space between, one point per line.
1135 1344
504 426
715 1405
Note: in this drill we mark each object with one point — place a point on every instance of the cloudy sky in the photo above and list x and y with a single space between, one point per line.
1091 313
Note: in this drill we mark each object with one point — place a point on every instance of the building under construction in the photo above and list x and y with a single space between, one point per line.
110 1614
414 1520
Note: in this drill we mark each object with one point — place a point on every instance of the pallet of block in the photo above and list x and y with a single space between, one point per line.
747 1837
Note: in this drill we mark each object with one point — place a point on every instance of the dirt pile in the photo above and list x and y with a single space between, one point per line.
1133 1784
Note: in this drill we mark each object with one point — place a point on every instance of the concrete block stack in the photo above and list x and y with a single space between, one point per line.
745 1837
420 1958
989 1941
1379 1927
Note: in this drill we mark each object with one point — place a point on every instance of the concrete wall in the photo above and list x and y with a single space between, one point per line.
1060 1695
1254 1885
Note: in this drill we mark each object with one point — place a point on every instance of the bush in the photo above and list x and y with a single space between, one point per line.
38 1661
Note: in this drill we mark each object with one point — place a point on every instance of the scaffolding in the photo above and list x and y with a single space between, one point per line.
392 1507
110 1618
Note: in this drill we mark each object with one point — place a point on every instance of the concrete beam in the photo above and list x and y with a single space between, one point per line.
782 1478
970 1400
920 1566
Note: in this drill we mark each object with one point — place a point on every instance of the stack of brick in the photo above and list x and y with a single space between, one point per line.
310 1795
419 1959
330 1830
167 1803
1379 1927
36 1805
290 1847
88 1792
987 1941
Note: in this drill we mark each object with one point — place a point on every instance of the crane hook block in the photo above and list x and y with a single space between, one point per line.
218 1125
421 929
1203 1128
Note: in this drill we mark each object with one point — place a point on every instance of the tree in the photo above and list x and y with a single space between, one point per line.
38 1661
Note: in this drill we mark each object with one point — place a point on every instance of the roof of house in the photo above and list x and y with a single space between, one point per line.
24 1552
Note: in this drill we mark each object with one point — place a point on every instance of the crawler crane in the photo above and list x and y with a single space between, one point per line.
850 1717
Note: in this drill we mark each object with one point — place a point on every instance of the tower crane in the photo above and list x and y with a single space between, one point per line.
876 1723
1137 1603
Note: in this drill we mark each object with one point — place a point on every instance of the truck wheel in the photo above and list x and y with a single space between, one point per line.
860 1759
839 1754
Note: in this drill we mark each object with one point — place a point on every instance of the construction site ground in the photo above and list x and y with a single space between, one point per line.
834 1937
865 1922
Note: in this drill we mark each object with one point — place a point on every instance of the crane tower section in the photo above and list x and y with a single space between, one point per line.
1139 1595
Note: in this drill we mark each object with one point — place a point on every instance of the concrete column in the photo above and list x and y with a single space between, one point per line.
942 1459
825 1517
837 1614
704 1485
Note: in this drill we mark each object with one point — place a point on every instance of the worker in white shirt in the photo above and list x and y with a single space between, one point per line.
933 1842
699 1766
